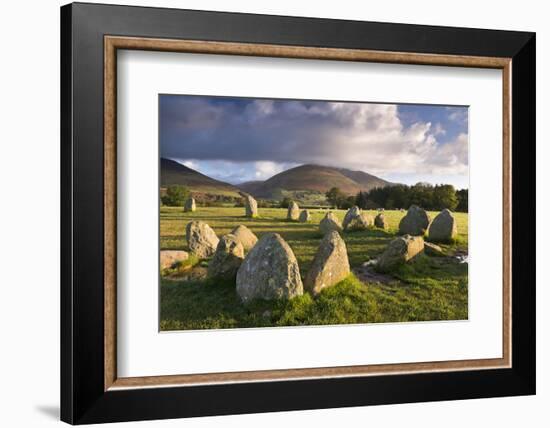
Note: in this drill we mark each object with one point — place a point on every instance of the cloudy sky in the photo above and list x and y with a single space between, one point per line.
242 139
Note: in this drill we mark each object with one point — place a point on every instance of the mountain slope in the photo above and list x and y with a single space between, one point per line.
365 179
172 172
315 178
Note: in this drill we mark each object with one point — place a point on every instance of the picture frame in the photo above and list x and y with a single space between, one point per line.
91 391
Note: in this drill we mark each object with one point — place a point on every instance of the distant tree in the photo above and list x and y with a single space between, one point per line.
424 195
421 194
462 196
346 202
444 196
361 200
175 196
336 197
285 202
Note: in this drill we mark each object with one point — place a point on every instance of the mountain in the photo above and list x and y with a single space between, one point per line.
172 172
314 178
249 186
367 180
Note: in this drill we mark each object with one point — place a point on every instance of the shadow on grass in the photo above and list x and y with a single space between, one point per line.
428 289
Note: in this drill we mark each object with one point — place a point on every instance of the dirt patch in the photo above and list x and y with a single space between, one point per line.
366 273
197 273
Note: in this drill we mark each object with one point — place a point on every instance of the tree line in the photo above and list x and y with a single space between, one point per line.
425 195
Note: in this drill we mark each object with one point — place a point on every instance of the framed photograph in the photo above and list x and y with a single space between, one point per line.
267 213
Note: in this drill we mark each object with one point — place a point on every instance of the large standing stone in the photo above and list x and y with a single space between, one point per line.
250 206
330 222
269 271
443 227
415 222
380 221
169 258
353 212
245 236
305 216
227 259
331 264
399 251
190 205
293 211
360 222
201 239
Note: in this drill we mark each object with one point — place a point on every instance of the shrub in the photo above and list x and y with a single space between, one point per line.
175 196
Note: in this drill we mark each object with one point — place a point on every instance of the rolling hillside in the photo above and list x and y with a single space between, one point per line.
314 178
172 172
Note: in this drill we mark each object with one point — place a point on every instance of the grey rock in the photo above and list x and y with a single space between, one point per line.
415 222
293 211
360 222
353 212
245 236
250 206
190 205
432 249
305 216
201 239
168 258
330 222
227 259
380 221
270 271
330 265
443 228
400 251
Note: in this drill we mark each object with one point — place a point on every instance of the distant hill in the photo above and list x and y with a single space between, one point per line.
172 172
249 186
314 178
365 180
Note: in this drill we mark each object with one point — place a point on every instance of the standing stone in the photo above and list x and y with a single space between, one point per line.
201 239
360 222
245 236
353 212
330 222
305 216
227 259
270 271
415 222
250 206
443 228
293 212
190 206
380 221
331 264
169 258
400 251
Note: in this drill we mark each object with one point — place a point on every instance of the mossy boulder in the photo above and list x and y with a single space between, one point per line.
270 271
443 228
415 222
399 251
201 239
330 265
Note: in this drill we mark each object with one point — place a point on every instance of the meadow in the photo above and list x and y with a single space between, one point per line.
430 288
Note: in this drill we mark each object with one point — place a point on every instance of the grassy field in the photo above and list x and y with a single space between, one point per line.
431 288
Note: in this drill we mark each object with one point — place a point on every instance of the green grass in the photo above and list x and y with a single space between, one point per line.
431 288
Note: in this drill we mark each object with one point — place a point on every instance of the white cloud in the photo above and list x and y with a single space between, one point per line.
266 169
190 164
368 137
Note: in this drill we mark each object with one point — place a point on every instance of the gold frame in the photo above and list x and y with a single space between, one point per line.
113 43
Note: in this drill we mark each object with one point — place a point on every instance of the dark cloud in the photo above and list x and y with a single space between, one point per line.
371 137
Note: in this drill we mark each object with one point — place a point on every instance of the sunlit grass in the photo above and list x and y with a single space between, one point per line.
429 289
